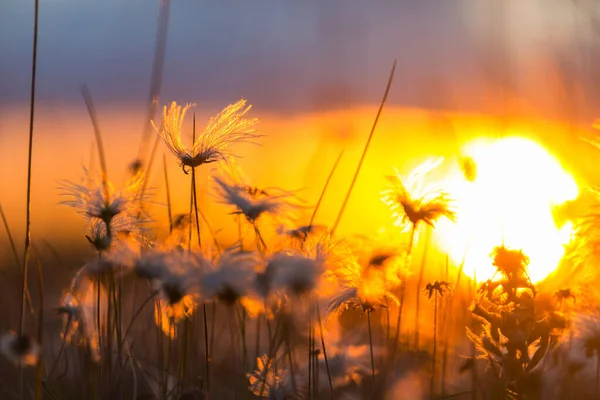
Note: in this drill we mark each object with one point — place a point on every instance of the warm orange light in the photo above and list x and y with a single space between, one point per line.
514 184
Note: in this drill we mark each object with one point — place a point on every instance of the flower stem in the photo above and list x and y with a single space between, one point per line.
324 350
24 290
169 211
371 351
435 310
419 283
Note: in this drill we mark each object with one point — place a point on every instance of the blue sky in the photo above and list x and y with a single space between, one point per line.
289 55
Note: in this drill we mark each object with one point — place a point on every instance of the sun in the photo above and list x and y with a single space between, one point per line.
505 192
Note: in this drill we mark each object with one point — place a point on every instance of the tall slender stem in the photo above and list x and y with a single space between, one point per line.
371 351
39 370
362 157
204 313
597 375
435 310
419 283
322 195
324 350
407 261
28 200
87 98
169 211
156 78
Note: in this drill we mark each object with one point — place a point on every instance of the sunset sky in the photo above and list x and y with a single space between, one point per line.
307 55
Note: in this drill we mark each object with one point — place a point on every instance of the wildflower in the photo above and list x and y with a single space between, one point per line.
563 295
438 287
302 232
362 287
177 288
20 350
232 278
410 199
295 273
272 381
95 199
509 262
80 319
225 129
152 264
250 205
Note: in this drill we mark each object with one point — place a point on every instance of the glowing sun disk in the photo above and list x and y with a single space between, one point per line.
516 186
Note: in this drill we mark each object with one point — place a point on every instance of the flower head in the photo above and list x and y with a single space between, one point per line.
232 277
412 200
252 204
438 287
20 350
510 262
295 273
272 380
228 127
95 198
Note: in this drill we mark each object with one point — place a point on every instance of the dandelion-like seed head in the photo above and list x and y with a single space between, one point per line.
252 206
19 349
438 288
296 273
509 262
411 200
95 197
228 127
232 277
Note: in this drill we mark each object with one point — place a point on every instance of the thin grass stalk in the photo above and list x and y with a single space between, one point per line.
435 311
183 359
39 369
138 312
448 306
62 347
419 284
160 339
259 239
243 334
291 363
362 157
204 312
239 229
322 195
157 73
169 209
272 351
87 98
597 375
235 345
109 331
324 349
16 255
371 352
310 349
257 343
167 365
407 260
99 326
207 357
28 198
213 323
